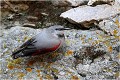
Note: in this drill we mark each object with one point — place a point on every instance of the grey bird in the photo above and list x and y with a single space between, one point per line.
48 40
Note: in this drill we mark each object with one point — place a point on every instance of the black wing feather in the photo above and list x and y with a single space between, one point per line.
26 49
28 43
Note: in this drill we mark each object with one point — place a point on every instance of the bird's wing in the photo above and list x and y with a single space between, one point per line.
29 44
28 48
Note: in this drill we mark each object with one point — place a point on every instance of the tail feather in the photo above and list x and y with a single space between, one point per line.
23 52
18 53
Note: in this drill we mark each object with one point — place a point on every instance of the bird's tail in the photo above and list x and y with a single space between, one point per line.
18 53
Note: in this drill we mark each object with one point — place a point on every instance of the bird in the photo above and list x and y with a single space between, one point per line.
48 40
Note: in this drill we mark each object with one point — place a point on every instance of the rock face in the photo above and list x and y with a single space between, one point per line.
80 2
91 2
59 2
110 27
89 55
90 14
69 2
118 1
77 2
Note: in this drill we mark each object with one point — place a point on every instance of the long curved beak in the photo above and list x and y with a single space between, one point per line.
63 29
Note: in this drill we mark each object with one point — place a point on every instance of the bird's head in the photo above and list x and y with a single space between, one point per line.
58 31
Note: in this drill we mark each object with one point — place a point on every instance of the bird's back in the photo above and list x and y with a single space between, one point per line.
45 40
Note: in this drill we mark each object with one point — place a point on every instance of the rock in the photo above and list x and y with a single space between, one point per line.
91 2
61 66
69 2
103 67
16 8
110 27
77 2
29 25
88 14
32 18
45 14
17 23
59 2
10 16
0 42
118 1
22 7
1 27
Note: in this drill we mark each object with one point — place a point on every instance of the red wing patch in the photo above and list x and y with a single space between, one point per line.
46 50
37 52
53 48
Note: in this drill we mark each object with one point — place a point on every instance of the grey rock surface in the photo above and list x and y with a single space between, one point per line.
88 14
111 27
91 2
77 2
118 1
89 54
59 2
69 2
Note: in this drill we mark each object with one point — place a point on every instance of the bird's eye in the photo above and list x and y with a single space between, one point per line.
60 35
